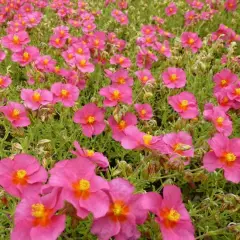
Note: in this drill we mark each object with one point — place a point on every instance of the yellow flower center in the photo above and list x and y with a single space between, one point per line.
36 97
121 59
224 83
26 56
121 80
147 139
173 215
191 41
1 81
84 185
144 78
220 121
173 77
70 56
32 20
16 39
45 61
230 157
80 50
122 125
90 153
117 209
96 42
15 113
163 48
21 174
38 210
184 105
82 63
91 119
64 93
116 95
143 112
237 91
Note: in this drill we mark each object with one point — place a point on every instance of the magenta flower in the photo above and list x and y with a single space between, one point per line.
172 216
2 55
15 41
144 111
26 56
22 176
34 99
197 4
191 40
174 77
121 77
185 104
225 154
62 31
35 219
171 9
119 59
91 119
81 186
5 81
231 5
96 157
67 93
118 128
57 41
145 76
45 63
224 99
137 140
179 145
124 213
224 79
83 64
16 114
33 19
115 94
163 48
81 50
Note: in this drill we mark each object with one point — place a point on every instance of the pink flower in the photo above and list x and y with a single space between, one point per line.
174 77
35 219
231 5
144 111
163 48
190 17
34 99
65 93
91 119
84 65
224 79
145 76
172 216
26 56
191 40
197 4
62 32
179 145
124 213
171 9
148 30
33 19
5 81
118 127
137 140
57 41
96 157
81 186
185 104
121 77
45 63
2 55
22 176
124 62
16 114
15 41
116 94
225 154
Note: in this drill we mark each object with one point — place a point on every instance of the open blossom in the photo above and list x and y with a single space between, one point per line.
34 99
171 9
191 40
22 176
197 4
171 214
15 41
67 93
26 56
57 41
174 77
148 30
231 5
179 145
62 31
16 114
118 127
144 111
145 76
33 19
121 77
124 62
163 48
5 81
96 157
83 64
91 119
116 94
138 140
35 219
185 104
218 116
45 63
224 79
81 186
124 213
225 154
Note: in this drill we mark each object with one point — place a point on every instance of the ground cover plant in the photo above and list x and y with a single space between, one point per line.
119 119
